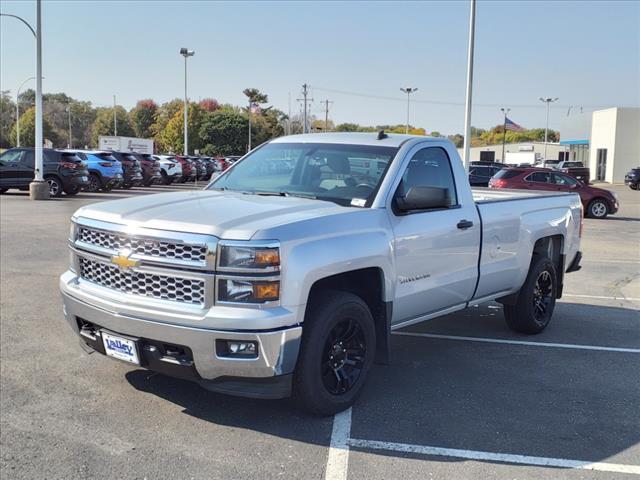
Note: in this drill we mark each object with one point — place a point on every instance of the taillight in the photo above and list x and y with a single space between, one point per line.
497 183
70 165
105 164
581 221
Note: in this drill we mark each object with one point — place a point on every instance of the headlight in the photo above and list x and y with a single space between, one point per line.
248 291
239 257
72 231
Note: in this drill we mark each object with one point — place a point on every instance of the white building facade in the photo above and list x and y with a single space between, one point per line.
614 144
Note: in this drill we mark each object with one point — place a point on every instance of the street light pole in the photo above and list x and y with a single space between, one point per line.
548 101
38 189
39 134
408 91
186 53
18 110
504 129
467 111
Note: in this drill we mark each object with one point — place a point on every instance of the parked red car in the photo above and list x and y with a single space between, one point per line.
597 202
188 169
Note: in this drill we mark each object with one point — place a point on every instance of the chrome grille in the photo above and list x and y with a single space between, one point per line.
146 284
143 246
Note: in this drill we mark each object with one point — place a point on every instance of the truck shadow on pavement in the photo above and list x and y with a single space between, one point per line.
542 401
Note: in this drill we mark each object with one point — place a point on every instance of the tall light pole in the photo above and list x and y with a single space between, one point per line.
467 110
548 101
504 129
18 110
115 118
186 53
38 189
408 91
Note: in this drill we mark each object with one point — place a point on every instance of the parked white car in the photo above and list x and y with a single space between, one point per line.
170 168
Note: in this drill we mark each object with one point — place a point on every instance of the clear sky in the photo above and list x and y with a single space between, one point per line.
585 52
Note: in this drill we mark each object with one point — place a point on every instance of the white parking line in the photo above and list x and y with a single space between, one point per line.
595 260
630 299
496 457
519 342
338 458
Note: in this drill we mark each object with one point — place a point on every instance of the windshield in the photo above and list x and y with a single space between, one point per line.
345 174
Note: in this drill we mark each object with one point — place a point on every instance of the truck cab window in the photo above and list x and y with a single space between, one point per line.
429 167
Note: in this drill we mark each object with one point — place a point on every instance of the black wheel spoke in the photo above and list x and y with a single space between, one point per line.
344 356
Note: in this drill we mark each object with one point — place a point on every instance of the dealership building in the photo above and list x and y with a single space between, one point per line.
607 141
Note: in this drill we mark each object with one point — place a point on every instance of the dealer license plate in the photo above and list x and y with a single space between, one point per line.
121 348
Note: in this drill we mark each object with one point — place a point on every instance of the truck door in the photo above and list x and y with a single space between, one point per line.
436 251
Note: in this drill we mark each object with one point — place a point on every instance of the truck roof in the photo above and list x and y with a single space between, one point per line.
354 138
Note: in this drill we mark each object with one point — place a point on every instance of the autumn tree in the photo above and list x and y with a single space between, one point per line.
7 118
103 124
28 130
209 104
171 139
142 117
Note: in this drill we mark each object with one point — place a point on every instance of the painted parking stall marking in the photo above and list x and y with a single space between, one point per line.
338 457
519 342
496 457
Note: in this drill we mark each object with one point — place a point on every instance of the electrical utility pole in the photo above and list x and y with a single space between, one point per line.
115 119
504 129
408 91
70 137
305 99
289 115
326 114
548 101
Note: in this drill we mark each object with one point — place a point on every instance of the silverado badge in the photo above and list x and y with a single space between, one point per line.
123 261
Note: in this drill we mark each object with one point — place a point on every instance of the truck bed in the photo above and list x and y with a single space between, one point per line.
492 195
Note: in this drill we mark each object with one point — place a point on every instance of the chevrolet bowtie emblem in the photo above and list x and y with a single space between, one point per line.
123 261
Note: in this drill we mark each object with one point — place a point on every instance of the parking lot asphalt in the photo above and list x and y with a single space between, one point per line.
463 397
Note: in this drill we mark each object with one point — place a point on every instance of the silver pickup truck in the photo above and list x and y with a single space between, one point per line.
286 274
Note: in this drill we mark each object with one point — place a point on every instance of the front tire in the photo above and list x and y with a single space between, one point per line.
598 208
536 300
633 186
336 353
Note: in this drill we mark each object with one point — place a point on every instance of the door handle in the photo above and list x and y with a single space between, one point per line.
464 224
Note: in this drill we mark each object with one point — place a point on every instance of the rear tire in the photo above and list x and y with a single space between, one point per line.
73 191
598 208
536 300
336 353
126 186
94 183
634 186
55 186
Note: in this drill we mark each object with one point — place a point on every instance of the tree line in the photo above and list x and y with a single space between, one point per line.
214 128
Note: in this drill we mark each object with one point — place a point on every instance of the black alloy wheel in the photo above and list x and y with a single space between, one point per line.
343 358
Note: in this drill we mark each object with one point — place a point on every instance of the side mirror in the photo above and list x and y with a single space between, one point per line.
424 198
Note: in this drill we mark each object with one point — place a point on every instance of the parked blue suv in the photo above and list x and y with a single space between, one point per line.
105 171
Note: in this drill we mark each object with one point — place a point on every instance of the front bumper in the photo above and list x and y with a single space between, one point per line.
267 376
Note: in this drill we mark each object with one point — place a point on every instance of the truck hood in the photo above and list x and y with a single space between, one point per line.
228 215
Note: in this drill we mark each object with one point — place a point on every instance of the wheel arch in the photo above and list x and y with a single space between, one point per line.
369 285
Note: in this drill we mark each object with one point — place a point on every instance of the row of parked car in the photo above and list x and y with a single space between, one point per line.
71 171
